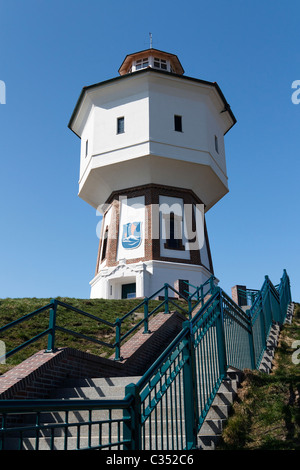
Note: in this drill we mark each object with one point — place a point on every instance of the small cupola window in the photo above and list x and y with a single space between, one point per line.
142 63
160 64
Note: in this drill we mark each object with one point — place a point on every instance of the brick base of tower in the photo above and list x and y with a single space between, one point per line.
151 235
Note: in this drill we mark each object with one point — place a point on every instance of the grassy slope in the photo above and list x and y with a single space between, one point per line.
267 413
12 309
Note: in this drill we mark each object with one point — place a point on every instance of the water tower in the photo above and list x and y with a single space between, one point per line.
153 162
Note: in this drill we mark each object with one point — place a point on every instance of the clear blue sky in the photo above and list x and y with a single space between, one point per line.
51 49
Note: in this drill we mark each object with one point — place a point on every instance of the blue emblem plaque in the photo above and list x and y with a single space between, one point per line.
132 235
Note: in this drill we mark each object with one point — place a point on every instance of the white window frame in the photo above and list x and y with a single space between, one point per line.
161 64
142 63
119 120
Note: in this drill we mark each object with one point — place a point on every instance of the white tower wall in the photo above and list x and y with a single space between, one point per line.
150 136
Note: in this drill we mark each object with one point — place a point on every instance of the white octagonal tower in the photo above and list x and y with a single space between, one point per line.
153 162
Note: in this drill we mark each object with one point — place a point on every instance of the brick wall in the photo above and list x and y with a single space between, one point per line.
35 376
43 371
236 297
139 353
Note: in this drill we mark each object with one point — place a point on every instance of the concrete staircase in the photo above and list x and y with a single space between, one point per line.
84 430
219 411
290 313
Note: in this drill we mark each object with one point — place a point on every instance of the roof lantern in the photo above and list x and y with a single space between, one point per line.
153 58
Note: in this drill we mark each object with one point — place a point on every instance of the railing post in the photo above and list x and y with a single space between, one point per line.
288 288
212 284
190 388
251 346
166 298
146 316
270 300
263 320
190 307
285 295
118 340
52 324
132 419
221 345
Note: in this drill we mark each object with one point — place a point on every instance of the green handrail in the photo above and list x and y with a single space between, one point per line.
116 325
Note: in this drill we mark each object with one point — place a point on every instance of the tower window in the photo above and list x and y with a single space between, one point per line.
141 63
120 125
160 64
174 235
183 287
178 123
86 148
104 246
216 144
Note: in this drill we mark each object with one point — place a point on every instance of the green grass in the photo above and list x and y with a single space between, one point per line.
12 309
266 415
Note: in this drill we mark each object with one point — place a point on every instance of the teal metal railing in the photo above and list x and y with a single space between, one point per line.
247 296
166 408
170 299
200 294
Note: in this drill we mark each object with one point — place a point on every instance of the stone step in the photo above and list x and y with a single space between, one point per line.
114 429
89 393
94 388
79 416
212 427
101 388
100 381
82 416
59 443
218 412
208 442
228 386
118 392
224 398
